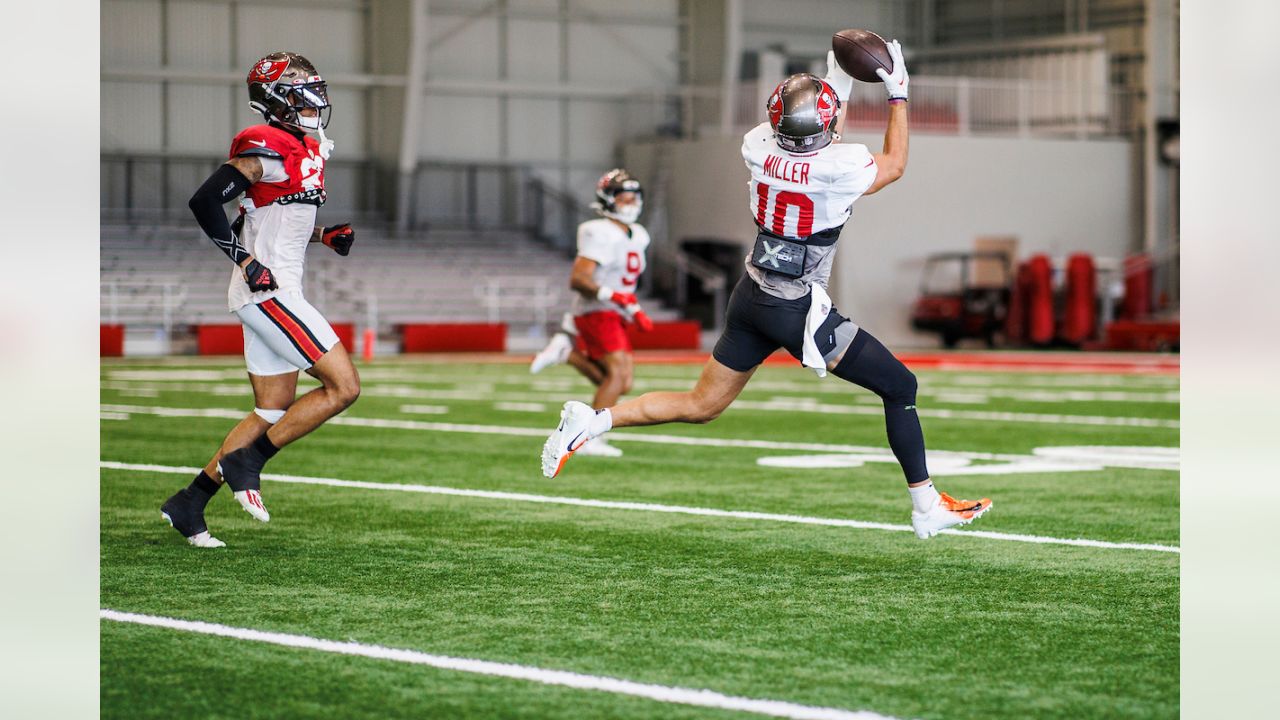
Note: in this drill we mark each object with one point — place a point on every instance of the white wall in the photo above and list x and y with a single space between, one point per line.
210 37
1057 196
537 82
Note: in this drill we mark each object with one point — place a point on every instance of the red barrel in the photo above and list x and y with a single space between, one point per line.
1040 300
1078 311
1138 276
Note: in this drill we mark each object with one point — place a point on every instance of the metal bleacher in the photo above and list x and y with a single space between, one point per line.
169 277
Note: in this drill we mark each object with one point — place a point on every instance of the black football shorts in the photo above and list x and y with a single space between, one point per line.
759 323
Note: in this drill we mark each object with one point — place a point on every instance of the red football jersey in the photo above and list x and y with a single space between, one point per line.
302 162
279 213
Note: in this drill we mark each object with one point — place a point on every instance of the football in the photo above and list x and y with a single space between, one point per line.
860 53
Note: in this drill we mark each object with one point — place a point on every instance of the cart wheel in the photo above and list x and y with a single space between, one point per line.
949 340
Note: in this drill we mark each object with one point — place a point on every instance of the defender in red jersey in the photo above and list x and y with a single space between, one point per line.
279 169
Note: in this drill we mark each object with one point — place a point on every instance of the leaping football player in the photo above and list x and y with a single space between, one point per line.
280 170
802 189
605 273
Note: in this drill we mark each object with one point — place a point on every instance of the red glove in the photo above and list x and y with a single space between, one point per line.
629 305
339 238
641 320
621 299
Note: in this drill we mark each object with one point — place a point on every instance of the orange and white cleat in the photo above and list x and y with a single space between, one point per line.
568 437
947 512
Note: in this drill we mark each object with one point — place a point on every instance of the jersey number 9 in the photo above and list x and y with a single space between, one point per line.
633 269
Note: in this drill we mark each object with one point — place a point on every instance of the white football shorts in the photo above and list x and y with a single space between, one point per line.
284 334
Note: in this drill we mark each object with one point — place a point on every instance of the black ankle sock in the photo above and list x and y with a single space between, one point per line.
264 447
202 488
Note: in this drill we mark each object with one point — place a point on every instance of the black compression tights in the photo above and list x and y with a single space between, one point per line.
869 363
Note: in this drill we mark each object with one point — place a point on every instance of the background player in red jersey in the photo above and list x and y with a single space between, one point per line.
802 189
280 170
611 257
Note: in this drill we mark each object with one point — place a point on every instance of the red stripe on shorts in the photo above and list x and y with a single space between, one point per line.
297 334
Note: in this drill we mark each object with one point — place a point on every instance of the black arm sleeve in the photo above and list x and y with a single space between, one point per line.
224 185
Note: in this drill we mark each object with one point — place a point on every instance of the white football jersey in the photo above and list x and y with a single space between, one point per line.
798 194
278 236
619 256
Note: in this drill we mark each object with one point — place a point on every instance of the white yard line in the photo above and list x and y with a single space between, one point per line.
646 507
564 678
801 404
809 405
527 407
623 436
614 436
424 409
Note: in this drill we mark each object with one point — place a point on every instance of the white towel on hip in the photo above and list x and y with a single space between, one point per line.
819 309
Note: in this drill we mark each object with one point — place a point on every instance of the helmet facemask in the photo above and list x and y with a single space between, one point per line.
283 85
609 187
628 213
306 96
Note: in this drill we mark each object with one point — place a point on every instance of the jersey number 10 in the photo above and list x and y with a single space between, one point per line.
782 200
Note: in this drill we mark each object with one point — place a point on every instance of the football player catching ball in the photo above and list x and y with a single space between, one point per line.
802 189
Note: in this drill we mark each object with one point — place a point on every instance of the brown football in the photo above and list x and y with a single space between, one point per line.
860 52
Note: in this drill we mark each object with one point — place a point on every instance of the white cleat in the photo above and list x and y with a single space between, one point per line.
555 353
251 501
205 540
599 447
947 512
568 438
200 539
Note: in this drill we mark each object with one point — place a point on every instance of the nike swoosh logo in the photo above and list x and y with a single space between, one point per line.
259 143
571 447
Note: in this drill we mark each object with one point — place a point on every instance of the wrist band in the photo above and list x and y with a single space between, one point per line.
895 101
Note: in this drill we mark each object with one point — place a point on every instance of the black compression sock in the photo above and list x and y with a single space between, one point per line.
264 447
869 364
202 489
906 439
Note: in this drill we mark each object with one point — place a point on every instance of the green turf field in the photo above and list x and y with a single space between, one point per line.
1011 623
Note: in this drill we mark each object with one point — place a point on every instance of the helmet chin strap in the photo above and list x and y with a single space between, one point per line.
304 122
326 145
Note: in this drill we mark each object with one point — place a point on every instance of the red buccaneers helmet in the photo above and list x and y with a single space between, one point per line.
282 85
803 111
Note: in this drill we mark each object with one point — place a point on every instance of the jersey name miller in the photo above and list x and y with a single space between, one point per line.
789 170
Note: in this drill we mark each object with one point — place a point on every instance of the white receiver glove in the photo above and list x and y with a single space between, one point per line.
895 83
837 78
